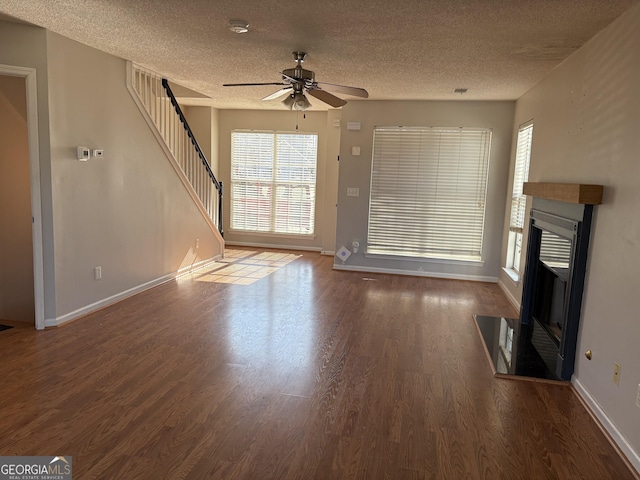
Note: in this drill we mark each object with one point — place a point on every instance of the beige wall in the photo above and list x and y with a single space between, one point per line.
328 136
16 247
127 212
586 115
355 171
203 122
331 184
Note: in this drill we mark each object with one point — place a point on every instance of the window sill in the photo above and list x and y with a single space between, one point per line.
512 274
273 235
468 262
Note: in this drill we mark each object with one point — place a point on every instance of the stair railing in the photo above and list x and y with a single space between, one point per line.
161 105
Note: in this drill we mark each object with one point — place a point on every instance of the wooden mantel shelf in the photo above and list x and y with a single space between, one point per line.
565 192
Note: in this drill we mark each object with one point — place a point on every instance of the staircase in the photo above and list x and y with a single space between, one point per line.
153 96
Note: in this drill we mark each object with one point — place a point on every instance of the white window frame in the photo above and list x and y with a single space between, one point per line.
519 200
428 193
273 176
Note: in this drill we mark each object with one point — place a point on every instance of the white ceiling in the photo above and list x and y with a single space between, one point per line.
407 49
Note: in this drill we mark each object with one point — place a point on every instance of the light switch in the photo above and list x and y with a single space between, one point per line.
355 151
353 192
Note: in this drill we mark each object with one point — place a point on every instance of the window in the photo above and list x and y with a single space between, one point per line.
273 182
518 199
428 188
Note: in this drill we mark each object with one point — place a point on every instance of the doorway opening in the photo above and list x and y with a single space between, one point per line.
21 250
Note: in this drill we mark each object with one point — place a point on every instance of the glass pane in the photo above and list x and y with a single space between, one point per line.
555 251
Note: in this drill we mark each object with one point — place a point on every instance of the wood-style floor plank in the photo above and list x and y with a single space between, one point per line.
307 373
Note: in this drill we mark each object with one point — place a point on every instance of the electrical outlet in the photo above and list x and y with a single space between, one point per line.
638 397
197 243
97 273
616 373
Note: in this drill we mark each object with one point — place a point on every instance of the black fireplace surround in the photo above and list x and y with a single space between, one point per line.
553 281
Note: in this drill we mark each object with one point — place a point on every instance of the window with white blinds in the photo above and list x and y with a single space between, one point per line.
518 199
520 176
273 182
428 189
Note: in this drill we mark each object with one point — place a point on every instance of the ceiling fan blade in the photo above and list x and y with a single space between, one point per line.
345 90
278 94
251 84
327 97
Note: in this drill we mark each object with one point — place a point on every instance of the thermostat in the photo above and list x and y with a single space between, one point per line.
83 154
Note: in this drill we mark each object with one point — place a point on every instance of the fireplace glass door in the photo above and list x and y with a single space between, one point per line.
554 265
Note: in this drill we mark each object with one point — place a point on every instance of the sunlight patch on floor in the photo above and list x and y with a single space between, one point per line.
244 267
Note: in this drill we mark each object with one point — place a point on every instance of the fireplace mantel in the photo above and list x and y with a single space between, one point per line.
565 192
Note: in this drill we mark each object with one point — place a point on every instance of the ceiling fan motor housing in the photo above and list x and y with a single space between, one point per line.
300 73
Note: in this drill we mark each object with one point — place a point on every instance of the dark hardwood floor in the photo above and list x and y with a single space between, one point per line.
308 373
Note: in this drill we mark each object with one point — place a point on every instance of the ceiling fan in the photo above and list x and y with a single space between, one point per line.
297 81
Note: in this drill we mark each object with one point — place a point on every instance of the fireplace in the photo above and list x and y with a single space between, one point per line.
553 280
542 342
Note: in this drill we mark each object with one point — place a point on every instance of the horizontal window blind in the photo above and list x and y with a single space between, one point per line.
273 182
520 176
428 188
555 250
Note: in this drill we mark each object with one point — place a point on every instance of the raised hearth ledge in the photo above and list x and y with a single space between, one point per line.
509 376
565 192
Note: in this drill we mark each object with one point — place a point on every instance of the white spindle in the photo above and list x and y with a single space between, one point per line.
153 97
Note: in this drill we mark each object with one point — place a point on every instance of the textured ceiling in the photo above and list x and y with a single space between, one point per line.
412 49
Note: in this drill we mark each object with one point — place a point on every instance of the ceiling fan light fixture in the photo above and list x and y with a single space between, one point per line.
296 101
238 26
301 102
288 101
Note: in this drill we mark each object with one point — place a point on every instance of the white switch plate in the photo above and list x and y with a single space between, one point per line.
638 397
355 151
98 273
353 126
353 192
98 153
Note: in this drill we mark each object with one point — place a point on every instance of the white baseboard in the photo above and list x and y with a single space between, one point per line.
330 253
415 273
509 295
627 450
270 245
81 312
